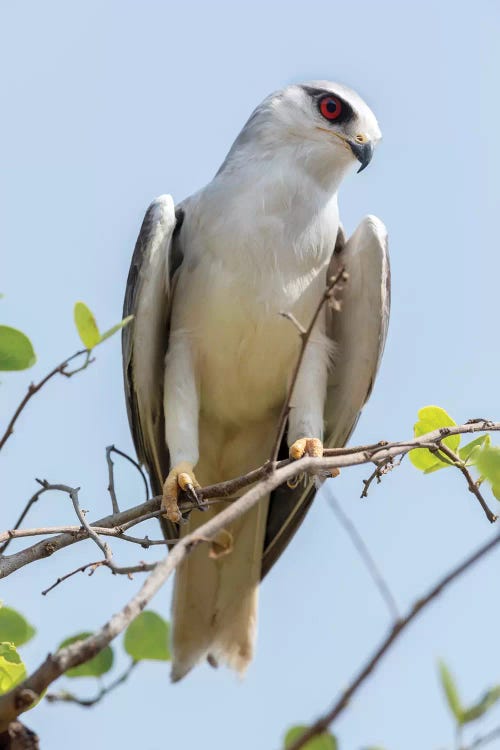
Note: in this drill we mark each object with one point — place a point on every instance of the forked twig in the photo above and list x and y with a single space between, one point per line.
61 369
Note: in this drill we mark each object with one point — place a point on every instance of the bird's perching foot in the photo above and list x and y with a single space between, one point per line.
180 477
300 448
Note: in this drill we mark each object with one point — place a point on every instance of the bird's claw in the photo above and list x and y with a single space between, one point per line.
180 477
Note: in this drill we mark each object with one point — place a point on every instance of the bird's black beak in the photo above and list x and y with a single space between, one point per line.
362 151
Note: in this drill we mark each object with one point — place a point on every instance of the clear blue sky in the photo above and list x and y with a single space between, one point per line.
106 105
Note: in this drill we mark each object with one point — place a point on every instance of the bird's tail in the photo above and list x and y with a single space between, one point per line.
215 597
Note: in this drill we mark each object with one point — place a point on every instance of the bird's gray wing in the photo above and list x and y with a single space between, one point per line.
144 342
358 332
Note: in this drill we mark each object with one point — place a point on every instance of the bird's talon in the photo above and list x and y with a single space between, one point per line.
180 477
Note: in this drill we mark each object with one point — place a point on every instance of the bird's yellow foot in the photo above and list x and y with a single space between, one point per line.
298 449
181 477
311 446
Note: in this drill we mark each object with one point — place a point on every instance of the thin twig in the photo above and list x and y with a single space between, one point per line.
82 569
139 468
365 554
111 475
67 697
61 369
473 487
322 724
73 494
305 335
21 518
377 474
80 533
485 739
127 570
111 480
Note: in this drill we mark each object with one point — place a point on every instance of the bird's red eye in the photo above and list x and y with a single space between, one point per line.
330 107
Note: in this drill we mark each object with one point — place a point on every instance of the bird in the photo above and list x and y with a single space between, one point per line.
208 357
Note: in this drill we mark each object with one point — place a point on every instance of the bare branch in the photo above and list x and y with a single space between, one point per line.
111 486
366 556
24 513
142 567
61 369
24 695
473 487
377 474
66 697
111 480
484 740
322 724
335 458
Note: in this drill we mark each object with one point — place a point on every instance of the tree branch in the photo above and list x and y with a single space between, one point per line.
322 724
334 458
67 697
24 695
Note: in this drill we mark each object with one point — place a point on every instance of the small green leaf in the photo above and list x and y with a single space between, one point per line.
487 462
325 741
14 627
488 700
432 418
147 637
86 326
116 328
451 692
12 669
469 451
16 350
99 665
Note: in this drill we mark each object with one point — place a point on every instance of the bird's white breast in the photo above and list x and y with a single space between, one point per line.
263 251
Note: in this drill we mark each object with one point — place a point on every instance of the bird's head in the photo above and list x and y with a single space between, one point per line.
325 125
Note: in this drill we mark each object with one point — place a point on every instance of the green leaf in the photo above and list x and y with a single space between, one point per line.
487 462
14 627
325 741
16 350
451 692
469 451
12 669
86 326
99 665
147 637
432 418
488 700
116 328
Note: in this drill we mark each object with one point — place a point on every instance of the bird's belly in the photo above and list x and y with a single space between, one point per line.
245 350
244 364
